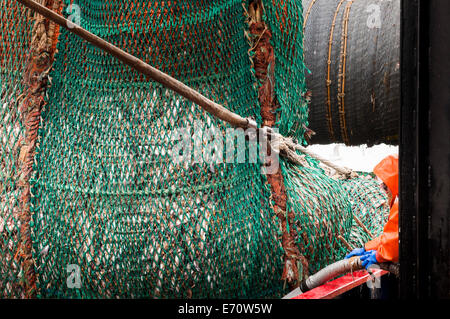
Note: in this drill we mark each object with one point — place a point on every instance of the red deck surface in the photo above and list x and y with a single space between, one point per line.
341 285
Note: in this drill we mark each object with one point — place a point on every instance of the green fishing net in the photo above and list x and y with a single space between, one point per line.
109 197
285 20
322 212
108 200
370 206
15 26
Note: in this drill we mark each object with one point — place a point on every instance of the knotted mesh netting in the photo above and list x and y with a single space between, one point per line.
14 46
322 212
111 199
370 206
99 191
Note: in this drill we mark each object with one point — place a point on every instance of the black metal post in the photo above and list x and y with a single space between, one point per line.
425 150
439 146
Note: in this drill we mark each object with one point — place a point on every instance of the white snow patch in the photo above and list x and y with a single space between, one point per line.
358 158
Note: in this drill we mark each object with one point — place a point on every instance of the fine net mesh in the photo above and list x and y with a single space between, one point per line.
285 20
370 206
110 197
322 212
107 196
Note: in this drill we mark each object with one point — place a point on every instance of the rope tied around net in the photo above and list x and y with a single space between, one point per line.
287 147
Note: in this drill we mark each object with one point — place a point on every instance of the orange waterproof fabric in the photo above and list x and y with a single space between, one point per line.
386 244
387 171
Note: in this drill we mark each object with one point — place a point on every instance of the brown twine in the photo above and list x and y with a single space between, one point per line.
346 244
263 62
35 79
342 73
328 80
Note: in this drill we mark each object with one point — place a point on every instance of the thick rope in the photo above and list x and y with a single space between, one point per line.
36 81
286 147
263 57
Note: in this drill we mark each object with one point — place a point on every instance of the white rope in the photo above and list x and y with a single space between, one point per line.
286 147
